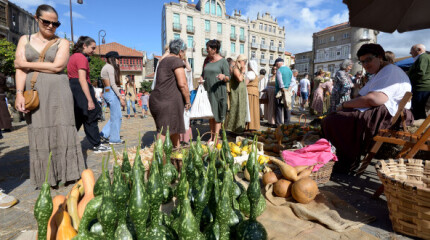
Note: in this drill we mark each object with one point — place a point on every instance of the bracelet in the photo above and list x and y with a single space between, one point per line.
19 91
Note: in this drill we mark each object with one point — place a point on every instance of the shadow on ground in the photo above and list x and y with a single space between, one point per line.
14 165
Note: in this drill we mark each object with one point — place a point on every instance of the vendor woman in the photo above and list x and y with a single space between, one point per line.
362 117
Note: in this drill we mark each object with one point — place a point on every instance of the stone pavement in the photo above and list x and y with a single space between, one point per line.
14 179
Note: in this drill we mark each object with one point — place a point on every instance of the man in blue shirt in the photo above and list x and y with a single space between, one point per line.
283 80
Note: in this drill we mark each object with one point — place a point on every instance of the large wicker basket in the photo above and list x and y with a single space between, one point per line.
406 186
322 176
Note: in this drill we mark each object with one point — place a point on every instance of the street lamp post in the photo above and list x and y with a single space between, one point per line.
71 18
103 34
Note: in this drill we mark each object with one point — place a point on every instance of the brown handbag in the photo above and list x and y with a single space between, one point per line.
31 96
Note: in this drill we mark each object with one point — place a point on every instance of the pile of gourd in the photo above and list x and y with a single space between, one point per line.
210 203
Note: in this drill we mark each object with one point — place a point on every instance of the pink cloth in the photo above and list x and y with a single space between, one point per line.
318 153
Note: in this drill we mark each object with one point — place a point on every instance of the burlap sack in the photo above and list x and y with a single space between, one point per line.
326 209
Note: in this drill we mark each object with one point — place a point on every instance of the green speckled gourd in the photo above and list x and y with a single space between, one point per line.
181 191
154 186
139 164
202 197
90 213
126 166
212 232
236 168
186 225
245 206
169 172
138 206
97 228
251 229
159 147
199 147
225 147
122 232
108 215
103 183
156 230
43 207
120 190
224 210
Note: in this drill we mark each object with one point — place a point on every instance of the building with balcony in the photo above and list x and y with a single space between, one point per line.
304 63
20 22
288 59
205 20
4 27
267 40
335 43
132 62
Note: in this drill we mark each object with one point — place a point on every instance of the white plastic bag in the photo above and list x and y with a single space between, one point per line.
201 107
187 119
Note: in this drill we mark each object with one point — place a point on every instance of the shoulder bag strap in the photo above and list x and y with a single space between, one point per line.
41 59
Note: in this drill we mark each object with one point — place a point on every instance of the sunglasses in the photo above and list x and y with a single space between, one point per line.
47 23
367 60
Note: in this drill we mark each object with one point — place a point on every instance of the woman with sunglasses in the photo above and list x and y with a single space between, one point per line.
51 126
236 117
216 73
357 121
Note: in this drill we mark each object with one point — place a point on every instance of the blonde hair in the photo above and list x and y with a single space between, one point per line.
241 57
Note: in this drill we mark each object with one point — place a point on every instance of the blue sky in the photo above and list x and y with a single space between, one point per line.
137 23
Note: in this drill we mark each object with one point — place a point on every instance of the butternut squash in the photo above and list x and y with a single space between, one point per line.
88 181
57 201
72 207
65 229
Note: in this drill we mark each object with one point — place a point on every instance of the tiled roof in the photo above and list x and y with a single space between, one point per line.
121 49
334 26
157 57
287 53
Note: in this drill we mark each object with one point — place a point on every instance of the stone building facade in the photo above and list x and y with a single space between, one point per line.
4 27
335 43
20 23
198 23
266 41
304 63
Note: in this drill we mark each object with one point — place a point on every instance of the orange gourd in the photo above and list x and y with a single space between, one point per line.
304 190
88 181
65 229
57 201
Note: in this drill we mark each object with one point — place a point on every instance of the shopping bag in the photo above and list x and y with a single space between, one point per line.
187 119
193 96
201 107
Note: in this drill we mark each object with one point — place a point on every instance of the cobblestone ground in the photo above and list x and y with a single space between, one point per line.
14 179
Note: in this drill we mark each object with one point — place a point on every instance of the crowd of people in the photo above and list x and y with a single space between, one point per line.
236 90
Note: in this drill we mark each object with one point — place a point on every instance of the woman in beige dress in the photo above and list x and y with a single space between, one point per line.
51 126
253 78
130 95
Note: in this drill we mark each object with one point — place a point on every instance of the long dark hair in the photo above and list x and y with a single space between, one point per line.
45 8
112 62
83 40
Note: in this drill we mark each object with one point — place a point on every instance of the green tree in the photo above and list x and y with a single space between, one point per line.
145 86
96 65
7 57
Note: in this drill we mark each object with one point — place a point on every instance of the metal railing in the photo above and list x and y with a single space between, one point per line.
264 47
177 27
263 61
233 36
242 38
281 49
273 48
254 45
190 29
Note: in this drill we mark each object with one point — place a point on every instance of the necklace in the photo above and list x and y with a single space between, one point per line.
41 39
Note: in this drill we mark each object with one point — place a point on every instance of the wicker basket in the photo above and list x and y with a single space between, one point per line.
407 188
322 176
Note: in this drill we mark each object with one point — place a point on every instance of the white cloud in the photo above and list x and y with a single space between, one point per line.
302 18
75 15
340 17
401 43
